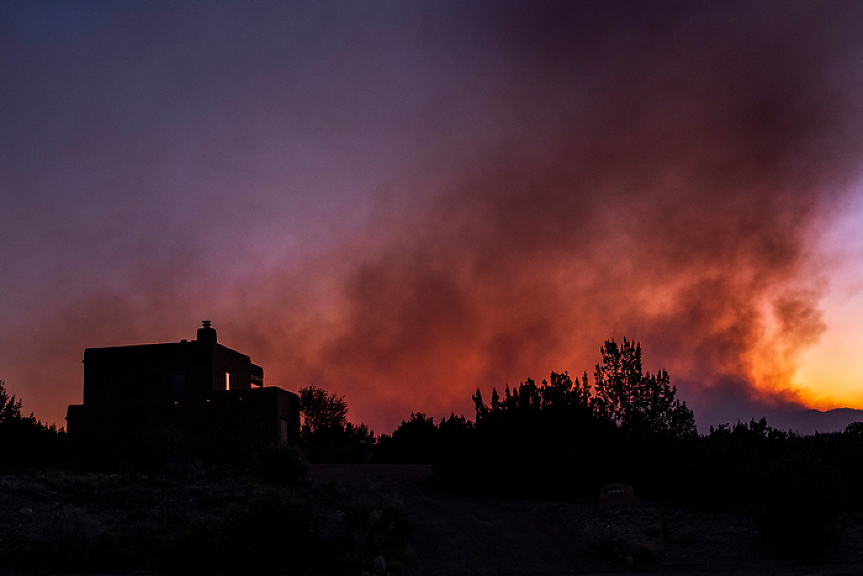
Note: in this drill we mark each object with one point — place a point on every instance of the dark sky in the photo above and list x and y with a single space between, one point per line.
403 201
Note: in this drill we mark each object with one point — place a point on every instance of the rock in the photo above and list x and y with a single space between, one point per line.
618 496
375 516
380 565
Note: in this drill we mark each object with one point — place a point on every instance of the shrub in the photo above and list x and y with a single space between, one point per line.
272 532
284 465
379 528
802 499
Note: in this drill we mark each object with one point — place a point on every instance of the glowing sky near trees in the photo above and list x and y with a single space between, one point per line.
400 202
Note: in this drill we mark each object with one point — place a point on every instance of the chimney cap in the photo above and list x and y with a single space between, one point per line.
206 333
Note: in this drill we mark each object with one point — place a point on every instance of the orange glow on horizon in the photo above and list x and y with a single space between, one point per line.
830 374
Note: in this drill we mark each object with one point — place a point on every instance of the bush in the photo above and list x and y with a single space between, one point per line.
802 499
284 465
272 532
24 441
379 528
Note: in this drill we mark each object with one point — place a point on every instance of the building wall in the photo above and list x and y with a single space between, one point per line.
135 373
172 400
211 427
243 374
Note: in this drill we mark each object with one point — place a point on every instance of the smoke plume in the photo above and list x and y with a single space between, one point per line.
660 171
657 177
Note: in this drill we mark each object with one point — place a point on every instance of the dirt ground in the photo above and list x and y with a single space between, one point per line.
448 534
457 535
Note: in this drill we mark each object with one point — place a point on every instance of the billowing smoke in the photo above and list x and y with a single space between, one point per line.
657 177
659 171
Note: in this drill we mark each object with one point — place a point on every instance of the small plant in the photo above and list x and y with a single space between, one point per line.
379 525
73 539
615 543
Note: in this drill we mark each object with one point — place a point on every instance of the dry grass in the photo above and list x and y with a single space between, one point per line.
191 521
199 520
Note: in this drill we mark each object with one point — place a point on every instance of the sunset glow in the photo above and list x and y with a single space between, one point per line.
400 203
830 374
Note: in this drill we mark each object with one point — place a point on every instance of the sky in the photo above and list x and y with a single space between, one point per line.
402 202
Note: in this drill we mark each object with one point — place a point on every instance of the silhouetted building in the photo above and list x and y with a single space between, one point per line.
181 400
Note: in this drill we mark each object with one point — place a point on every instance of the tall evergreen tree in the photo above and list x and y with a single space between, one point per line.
635 400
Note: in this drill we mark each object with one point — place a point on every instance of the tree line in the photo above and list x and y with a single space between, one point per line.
565 437
25 442
622 398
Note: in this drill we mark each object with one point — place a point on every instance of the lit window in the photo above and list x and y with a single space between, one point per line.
227 380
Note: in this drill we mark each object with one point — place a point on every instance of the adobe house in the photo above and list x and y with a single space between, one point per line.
187 400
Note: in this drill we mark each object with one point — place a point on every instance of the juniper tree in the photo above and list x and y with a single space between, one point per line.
635 400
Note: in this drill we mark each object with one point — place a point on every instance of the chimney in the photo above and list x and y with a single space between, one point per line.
206 333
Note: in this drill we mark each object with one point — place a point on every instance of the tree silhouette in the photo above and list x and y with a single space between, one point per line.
635 400
415 441
10 408
563 393
326 433
324 414
24 441
420 441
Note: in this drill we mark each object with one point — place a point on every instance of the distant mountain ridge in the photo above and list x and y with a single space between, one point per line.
811 421
807 422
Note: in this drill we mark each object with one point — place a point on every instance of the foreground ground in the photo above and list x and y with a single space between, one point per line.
201 522
457 535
